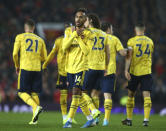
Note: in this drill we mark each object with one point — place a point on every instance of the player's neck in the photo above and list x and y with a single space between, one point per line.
140 34
28 31
90 26
81 27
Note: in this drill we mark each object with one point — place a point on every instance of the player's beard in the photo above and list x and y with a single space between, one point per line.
80 25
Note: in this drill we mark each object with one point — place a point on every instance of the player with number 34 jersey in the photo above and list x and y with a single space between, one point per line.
142 55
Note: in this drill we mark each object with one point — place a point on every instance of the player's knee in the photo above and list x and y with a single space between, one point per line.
76 91
107 95
95 93
131 93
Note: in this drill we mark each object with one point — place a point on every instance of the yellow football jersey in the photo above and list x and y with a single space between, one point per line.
142 55
76 60
32 52
61 57
114 46
97 50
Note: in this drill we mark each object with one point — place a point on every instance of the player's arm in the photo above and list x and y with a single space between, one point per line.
43 53
67 41
128 62
119 47
83 47
50 56
16 49
107 50
123 52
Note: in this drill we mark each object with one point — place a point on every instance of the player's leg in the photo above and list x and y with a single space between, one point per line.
147 107
107 108
146 87
76 94
84 107
95 97
24 84
107 85
88 82
36 79
35 97
132 86
62 85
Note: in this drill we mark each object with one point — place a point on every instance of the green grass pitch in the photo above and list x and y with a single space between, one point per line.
52 121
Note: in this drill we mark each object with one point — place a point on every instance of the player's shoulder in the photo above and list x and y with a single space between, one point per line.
132 38
69 29
60 37
88 31
20 36
149 39
112 37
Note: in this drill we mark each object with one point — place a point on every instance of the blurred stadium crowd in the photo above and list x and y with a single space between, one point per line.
121 13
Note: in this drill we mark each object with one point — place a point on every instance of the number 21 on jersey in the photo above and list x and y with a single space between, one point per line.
31 42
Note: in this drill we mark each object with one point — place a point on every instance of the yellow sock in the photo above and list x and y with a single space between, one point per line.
84 107
35 98
147 107
28 99
107 107
96 101
74 106
63 101
129 107
89 101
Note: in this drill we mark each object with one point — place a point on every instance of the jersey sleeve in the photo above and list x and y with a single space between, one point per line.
119 45
51 54
17 45
152 46
68 39
129 43
44 52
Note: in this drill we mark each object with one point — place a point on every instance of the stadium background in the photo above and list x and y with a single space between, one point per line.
121 13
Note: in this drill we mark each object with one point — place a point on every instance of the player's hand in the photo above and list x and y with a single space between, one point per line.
17 71
73 28
127 75
105 73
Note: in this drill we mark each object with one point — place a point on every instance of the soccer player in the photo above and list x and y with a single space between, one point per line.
139 60
62 74
98 58
28 67
108 81
74 44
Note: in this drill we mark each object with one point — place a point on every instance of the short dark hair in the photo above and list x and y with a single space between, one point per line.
30 23
105 26
140 24
84 10
95 20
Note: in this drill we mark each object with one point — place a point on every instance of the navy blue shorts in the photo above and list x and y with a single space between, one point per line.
61 82
92 79
30 81
108 83
75 80
145 81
